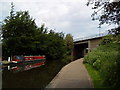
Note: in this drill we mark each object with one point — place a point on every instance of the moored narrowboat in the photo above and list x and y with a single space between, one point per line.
23 59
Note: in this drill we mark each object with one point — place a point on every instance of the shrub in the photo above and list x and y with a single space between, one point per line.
105 60
67 59
97 64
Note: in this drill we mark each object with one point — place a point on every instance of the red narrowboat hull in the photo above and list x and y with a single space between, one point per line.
24 59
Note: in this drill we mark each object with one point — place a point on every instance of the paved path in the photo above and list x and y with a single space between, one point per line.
73 75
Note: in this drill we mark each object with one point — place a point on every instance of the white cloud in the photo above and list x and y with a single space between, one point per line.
68 16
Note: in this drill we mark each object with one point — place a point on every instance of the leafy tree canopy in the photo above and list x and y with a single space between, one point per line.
69 43
21 36
18 32
110 12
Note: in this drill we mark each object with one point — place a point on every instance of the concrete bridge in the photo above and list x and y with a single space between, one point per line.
84 45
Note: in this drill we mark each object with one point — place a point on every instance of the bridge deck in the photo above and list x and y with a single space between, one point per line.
73 75
91 37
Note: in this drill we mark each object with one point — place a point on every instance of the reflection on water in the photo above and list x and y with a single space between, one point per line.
30 75
21 75
24 67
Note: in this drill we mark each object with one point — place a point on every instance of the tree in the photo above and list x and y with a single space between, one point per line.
22 36
39 38
110 13
54 45
69 43
18 33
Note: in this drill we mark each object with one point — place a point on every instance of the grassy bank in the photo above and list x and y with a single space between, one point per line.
95 76
103 63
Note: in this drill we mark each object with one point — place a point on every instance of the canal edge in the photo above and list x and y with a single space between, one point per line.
56 80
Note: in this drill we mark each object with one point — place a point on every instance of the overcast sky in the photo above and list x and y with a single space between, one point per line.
68 16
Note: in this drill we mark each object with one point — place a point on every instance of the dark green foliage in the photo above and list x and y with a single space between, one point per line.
69 43
54 45
111 39
18 33
21 36
110 13
69 48
106 60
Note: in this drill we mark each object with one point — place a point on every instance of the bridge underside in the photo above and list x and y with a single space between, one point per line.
80 50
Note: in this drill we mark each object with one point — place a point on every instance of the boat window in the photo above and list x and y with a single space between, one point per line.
19 57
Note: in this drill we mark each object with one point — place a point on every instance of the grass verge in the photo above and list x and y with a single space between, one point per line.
95 76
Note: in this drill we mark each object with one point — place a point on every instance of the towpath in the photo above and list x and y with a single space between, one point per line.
73 75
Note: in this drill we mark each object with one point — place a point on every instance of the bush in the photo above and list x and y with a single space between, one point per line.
97 64
105 60
67 59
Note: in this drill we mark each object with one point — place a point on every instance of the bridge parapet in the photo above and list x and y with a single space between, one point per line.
92 36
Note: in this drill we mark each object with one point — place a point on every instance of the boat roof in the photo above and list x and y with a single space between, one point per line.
33 56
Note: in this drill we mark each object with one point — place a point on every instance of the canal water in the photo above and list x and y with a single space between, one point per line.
30 75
